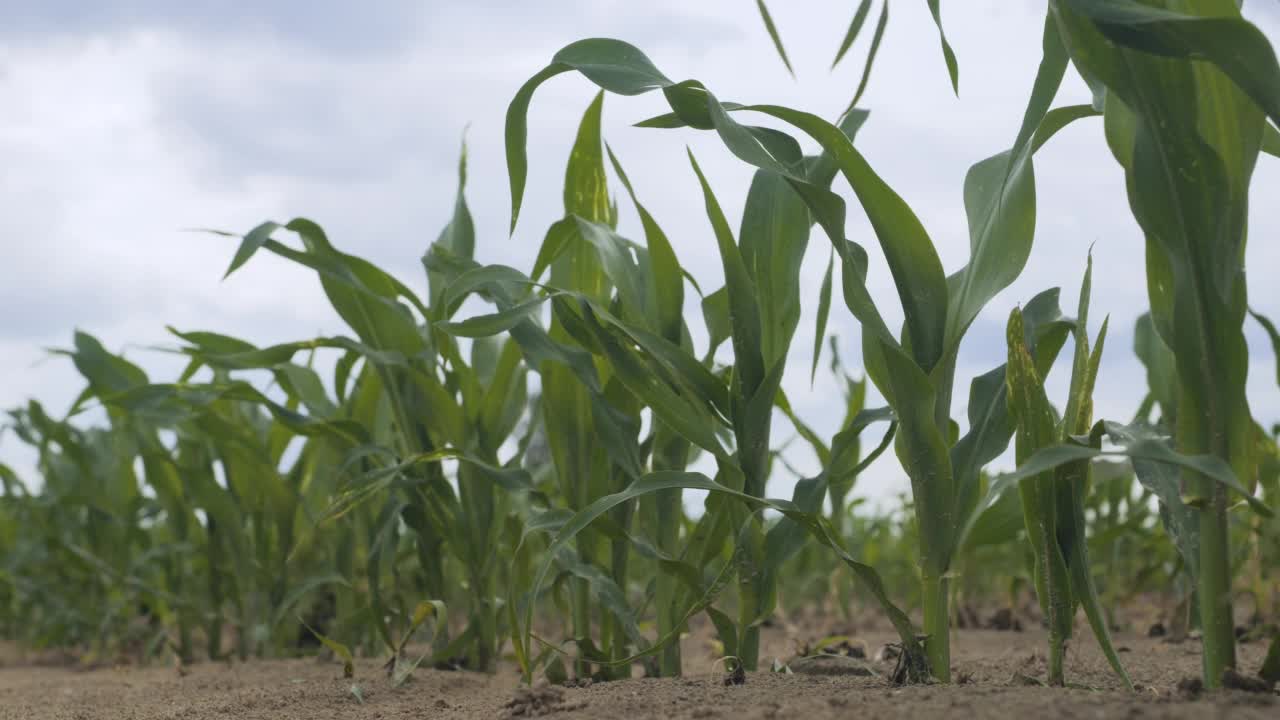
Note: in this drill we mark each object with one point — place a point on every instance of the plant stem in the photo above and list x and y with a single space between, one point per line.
937 625
582 617
668 514
1216 618
1057 652
619 552
749 639
486 625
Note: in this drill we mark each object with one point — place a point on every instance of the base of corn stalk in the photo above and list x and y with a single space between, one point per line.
937 626
1216 616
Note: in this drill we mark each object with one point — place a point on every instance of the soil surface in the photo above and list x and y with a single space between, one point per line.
998 676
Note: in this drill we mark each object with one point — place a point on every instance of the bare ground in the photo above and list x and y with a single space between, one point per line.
998 674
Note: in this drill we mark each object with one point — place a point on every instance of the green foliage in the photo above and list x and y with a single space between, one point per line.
1053 503
428 470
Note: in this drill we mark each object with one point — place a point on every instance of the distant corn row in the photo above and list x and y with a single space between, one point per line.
524 467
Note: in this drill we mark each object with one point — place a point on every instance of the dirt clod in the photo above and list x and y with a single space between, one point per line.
1004 619
827 664
534 702
1248 683
458 662
848 648
1190 686
1025 680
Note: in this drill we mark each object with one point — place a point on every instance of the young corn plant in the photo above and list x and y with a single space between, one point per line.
591 412
1187 87
107 375
251 516
83 568
417 401
1054 502
916 373
582 264
647 355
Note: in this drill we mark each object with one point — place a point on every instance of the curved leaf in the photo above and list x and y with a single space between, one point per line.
953 68
855 27
815 524
773 35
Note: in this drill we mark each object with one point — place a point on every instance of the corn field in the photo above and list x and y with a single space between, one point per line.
503 469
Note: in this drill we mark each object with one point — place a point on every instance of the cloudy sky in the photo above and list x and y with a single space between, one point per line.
124 121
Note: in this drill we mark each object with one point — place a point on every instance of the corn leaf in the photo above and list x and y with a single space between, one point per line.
773 35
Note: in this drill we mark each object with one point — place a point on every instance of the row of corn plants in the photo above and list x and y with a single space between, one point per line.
493 461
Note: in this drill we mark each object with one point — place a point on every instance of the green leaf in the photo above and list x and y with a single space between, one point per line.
744 309
107 373
881 24
773 35
715 313
1159 362
1237 47
787 537
250 245
824 309
619 67
1036 429
506 397
667 287
855 27
617 262
999 522
459 236
1137 446
912 259
586 192
337 648
773 238
815 524
517 132
1000 200
1270 327
492 324
302 589
690 419
367 298
1180 521
604 590
991 426
953 69
615 66
1271 140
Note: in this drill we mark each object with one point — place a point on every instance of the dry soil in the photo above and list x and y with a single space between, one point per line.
998 674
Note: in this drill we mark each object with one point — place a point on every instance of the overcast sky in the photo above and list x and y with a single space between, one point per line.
123 122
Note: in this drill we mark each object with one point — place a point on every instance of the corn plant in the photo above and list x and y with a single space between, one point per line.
1053 503
407 408
1187 88
758 310
915 375
425 471
83 532
252 517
